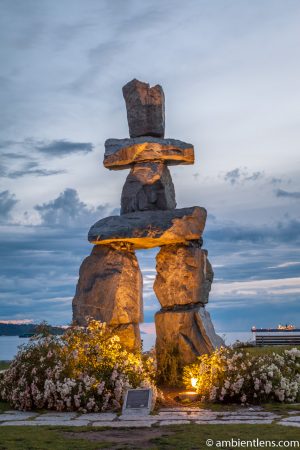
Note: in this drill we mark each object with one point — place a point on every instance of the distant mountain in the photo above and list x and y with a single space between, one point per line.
10 329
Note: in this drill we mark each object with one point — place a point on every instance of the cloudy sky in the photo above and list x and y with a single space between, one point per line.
230 70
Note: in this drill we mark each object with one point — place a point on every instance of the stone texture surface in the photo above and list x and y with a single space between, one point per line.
188 332
166 416
293 419
148 187
57 416
22 416
129 334
237 422
147 229
123 153
208 330
109 287
184 275
145 109
289 424
174 422
125 424
91 417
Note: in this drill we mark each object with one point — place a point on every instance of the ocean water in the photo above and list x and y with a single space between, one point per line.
230 337
9 344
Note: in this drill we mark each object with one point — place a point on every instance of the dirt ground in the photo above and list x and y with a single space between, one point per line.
115 438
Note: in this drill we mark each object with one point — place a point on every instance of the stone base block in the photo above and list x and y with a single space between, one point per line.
187 334
109 288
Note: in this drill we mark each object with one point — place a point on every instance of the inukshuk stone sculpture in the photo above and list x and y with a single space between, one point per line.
110 283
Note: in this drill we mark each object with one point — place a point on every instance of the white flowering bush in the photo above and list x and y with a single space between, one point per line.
85 369
229 375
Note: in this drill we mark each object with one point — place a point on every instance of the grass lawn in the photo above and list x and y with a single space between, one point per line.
4 364
269 349
184 437
4 407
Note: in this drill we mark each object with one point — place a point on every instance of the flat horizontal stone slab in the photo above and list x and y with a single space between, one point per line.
232 422
54 419
23 423
204 417
104 417
40 423
174 422
185 409
293 419
125 424
57 416
244 418
19 415
289 424
148 229
123 153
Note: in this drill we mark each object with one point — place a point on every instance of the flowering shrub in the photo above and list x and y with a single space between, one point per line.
85 370
229 375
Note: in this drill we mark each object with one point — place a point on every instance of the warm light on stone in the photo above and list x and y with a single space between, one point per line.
123 153
148 229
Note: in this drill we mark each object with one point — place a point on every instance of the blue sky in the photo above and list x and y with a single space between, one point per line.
230 71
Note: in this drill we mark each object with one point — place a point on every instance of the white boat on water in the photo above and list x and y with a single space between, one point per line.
282 335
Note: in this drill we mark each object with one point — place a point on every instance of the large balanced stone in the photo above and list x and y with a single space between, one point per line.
123 153
147 229
145 109
187 333
148 186
184 275
109 288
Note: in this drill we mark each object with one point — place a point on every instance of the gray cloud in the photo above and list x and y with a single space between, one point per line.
286 231
7 202
287 194
24 159
36 173
239 175
67 210
62 147
33 147
233 176
10 155
254 176
276 180
30 168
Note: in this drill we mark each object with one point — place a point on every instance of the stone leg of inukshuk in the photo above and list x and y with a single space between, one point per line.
182 285
110 290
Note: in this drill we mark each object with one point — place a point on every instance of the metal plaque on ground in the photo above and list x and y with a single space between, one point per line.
137 401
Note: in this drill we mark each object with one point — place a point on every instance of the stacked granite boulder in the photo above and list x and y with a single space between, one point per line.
110 282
